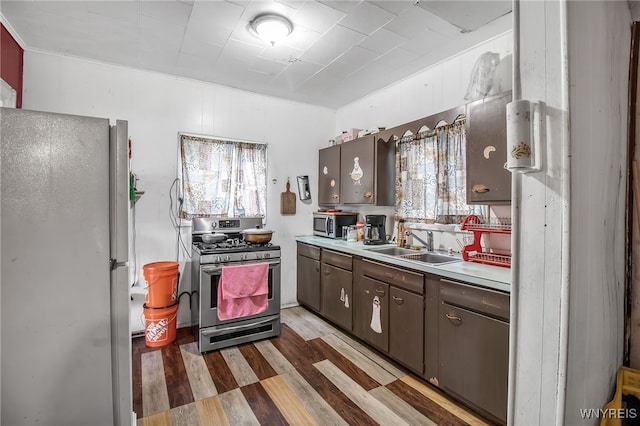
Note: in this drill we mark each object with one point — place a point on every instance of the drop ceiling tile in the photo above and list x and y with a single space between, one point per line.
268 67
281 53
122 10
194 46
172 12
240 51
193 65
328 77
463 15
65 9
358 55
411 23
425 42
296 74
201 26
216 14
302 38
383 40
160 36
293 4
335 43
317 17
394 6
396 57
343 6
366 18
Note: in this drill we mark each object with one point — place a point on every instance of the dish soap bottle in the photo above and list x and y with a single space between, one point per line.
401 233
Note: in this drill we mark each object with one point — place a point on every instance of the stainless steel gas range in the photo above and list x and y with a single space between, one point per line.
207 261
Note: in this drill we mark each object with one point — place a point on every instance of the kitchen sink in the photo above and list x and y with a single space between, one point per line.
420 255
392 251
431 257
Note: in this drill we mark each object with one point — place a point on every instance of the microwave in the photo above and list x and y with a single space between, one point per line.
329 224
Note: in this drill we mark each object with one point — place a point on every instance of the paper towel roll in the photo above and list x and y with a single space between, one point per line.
519 135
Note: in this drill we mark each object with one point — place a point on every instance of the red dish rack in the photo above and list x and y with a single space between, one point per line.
474 252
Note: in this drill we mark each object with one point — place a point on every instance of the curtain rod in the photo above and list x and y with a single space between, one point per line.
197 135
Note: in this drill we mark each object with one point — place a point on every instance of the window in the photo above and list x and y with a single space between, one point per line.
431 174
223 178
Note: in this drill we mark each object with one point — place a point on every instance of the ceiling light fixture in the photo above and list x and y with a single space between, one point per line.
271 28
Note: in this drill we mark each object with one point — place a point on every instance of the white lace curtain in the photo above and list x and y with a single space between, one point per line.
222 177
431 176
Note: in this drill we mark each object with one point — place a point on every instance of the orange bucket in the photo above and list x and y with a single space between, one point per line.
160 325
162 284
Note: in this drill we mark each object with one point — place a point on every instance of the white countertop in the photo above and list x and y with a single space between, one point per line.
493 277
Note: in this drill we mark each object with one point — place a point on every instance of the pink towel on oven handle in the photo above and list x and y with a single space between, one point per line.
243 290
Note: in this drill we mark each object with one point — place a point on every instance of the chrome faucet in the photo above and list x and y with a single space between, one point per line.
428 244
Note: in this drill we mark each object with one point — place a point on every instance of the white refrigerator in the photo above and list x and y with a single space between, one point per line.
65 345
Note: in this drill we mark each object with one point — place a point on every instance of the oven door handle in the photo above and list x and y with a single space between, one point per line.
227 329
212 269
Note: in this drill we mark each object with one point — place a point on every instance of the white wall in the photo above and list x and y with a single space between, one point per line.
569 284
157 107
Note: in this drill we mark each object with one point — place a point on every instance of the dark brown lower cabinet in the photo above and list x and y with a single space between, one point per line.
308 276
406 328
387 314
371 312
473 347
453 334
336 288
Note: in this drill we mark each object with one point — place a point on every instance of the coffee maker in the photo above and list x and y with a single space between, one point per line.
374 231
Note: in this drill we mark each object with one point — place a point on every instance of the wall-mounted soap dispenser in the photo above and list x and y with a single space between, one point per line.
303 188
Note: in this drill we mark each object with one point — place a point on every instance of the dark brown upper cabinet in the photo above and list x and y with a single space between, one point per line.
329 176
488 181
367 171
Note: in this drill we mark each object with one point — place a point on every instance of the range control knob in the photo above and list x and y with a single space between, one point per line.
243 256
218 259
227 258
266 255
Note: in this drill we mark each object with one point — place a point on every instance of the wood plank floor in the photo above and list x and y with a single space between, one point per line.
312 374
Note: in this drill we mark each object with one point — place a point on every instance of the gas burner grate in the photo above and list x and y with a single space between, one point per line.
232 245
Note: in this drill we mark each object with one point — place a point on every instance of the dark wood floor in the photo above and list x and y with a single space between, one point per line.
311 374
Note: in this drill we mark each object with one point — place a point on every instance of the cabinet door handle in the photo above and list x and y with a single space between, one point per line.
480 189
327 272
317 269
452 318
380 292
368 194
335 196
398 300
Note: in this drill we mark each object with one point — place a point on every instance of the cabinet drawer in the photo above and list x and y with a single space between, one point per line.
339 260
309 251
484 301
402 278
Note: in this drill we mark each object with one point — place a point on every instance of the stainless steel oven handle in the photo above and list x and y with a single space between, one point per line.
218 267
227 329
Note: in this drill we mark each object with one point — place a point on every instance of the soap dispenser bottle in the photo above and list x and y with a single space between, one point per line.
401 233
